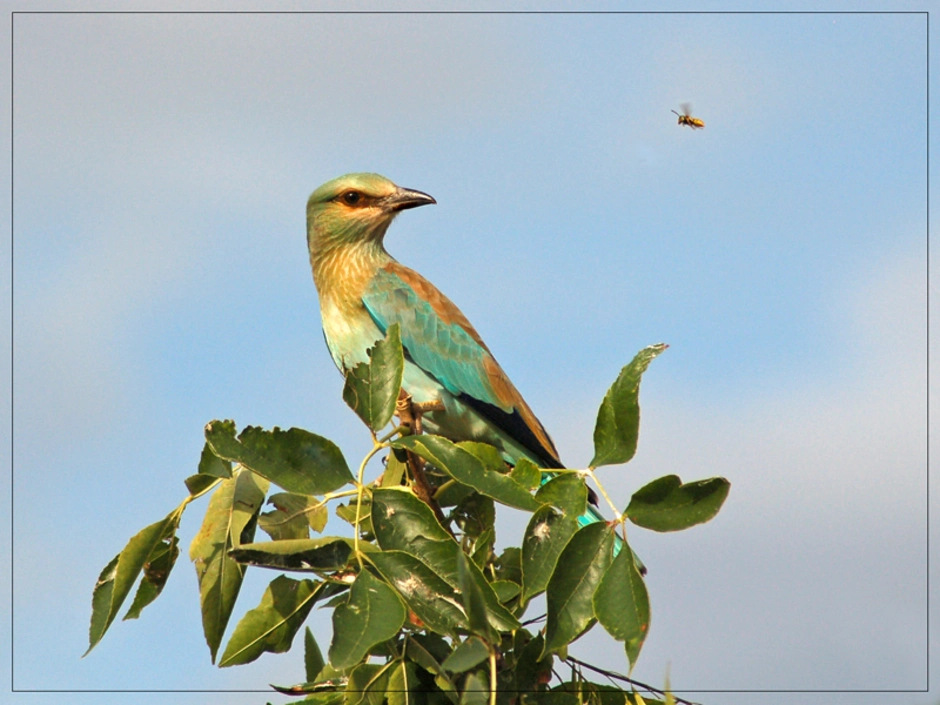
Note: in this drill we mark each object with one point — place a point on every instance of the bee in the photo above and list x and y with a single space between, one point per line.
687 119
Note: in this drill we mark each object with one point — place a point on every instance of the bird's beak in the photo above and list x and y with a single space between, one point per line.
405 198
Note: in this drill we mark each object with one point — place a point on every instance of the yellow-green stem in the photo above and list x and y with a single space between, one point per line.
359 490
190 498
333 495
443 487
326 498
606 496
394 431
404 673
492 675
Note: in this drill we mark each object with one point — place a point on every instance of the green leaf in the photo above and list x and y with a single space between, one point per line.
156 571
475 515
570 591
420 649
118 577
467 655
212 465
546 536
587 692
509 565
526 473
403 685
101 612
230 520
668 505
328 681
491 458
441 558
313 659
471 596
399 517
482 548
505 590
424 591
320 555
367 684
532 670
197 484
325 698
452 493
402 522
372 615
296 460
475 691
347 512
271 625
467 469
567 492
293 516
372 387
618 419
622 604
394 469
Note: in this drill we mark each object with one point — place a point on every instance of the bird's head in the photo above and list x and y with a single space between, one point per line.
356 208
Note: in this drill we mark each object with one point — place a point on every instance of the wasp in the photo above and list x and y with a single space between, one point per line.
687 119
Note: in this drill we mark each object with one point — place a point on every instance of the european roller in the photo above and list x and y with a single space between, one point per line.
363 290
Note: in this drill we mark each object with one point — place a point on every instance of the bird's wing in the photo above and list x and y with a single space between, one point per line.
440 340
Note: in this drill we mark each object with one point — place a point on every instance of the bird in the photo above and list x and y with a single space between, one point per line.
363 290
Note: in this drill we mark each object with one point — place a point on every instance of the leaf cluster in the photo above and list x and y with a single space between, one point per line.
423 606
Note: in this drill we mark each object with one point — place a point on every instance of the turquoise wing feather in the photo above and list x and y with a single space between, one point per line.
443 348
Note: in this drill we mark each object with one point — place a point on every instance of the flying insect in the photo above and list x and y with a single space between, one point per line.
687 119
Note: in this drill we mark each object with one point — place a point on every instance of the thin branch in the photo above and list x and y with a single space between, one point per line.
540 618
631 681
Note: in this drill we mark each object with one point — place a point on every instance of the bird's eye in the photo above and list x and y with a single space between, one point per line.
351 197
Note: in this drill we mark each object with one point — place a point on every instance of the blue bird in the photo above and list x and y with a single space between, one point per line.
448 368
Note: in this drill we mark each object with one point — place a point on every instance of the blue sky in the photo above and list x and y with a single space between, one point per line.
162 165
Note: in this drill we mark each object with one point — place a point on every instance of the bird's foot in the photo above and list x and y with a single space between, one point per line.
409 412
404 409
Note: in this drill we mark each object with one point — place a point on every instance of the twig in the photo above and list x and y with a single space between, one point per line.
631 681
540 618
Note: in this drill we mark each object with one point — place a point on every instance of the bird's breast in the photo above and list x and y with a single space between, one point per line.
350 332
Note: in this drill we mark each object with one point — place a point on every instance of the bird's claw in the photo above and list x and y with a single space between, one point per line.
410 412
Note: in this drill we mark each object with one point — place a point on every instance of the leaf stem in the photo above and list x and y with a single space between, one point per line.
444 486
332 495
404 675
199 494
388 436
617 515
492 675
326 498
359 490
